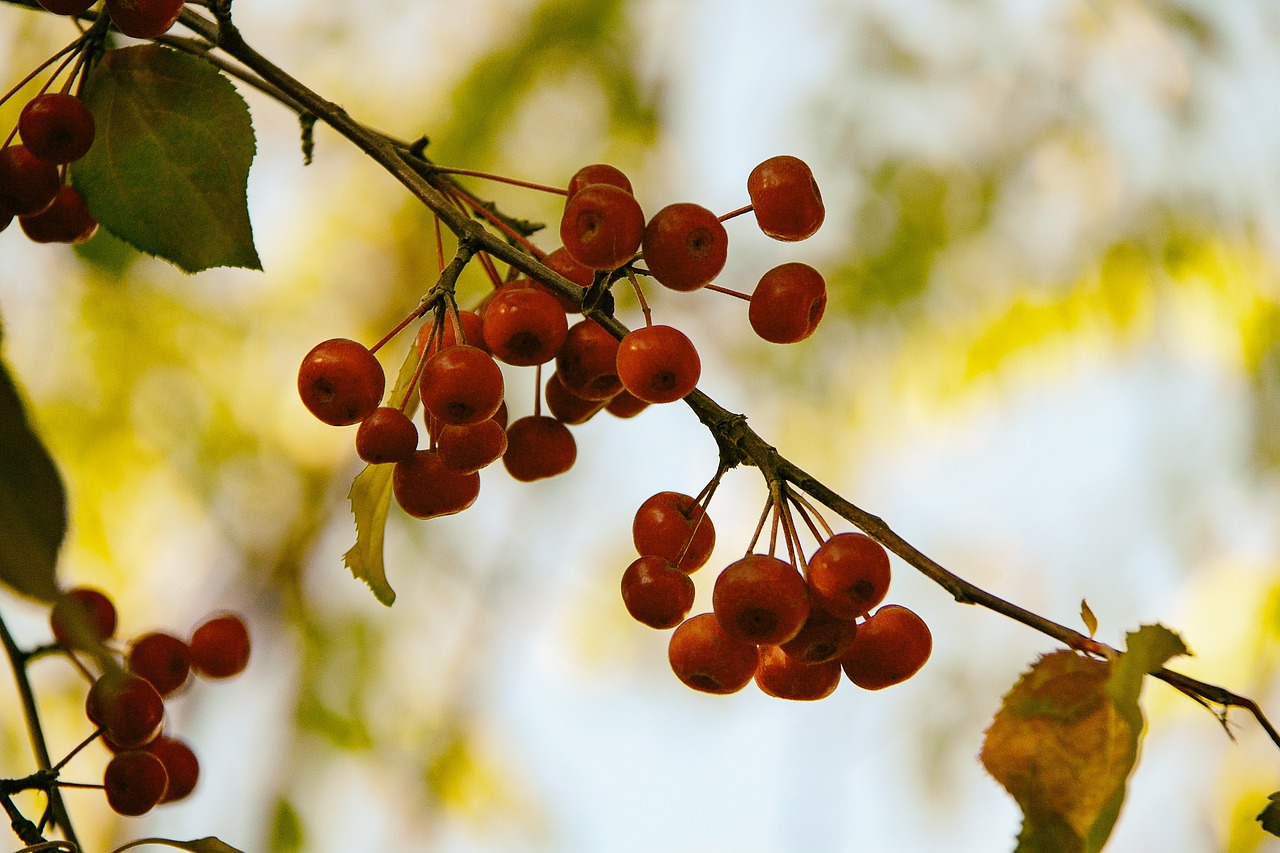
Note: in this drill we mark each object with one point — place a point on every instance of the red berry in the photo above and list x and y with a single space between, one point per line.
783 676
67 220
135 782
220 646
162 659
563 263
785 196
387 435
524 326
180 763
341 382
891 646
81 618
538 447
823 637
56 127
684 246
706 658
658 364
788 303
598 173
470 447
461 385
472 331
656 592
566 406
67 7
27 183
144 19
425 488
626 405
673 526
849 574
588 362
761 599
602 226
126 706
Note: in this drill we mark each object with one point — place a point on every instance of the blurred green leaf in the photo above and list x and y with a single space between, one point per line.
287 832
200 845
1270 817
169 167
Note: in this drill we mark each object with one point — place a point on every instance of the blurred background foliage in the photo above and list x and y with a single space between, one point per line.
1051 359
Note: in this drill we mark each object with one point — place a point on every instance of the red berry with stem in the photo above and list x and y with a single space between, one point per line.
387 435
82 618
626 405
524 326
822 638
785 677
787 203
28 184
135 782
706 658
461 385
761 599
425 488
849 574
67 7
684 246
144 19
162 659
181 765
788 303
673 526
566 406
658 364
588 362
341 382
472 330
56 127
469 447
656 593
538 447
563 263
602 226
127 707
891 646
220 646
598 173
67 220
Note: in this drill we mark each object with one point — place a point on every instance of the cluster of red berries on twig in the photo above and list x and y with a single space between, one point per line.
790 624
126 700
522 323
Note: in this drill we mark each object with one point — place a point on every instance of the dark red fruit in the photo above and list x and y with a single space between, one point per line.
461 385
135 782
602 226
387 435
849 574
341 382
144 19
56 127
656 593
626 405
598 173
658 364
470 447
67 220
823 637
472 332
425 488
788 303
126 706
783 676
566 406
27 183
538 447
563 263
181 765
785 196
672 526
706 658
220 646
82 618
761 599
162 659
588 362
684 246
891 646
524 326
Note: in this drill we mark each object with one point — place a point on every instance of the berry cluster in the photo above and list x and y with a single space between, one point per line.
522 323
56 128
791 625
126 701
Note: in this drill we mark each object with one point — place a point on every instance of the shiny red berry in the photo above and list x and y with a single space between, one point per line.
28 184
588 362
135 782
602 226
82 618
705 657
656 593
785 677
56 127
673 526
761 599
788 303
598 173
160 658
180 763
785 196
144 19
127 707
538 447
849 574
684 246
67 220
524 326
469 447
658 364
341 382
220 646
891 646
387 435
461 385
425 488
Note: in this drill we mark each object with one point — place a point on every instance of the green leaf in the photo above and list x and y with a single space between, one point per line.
169 166
371 499
1270 817
200 845
33 510
287 832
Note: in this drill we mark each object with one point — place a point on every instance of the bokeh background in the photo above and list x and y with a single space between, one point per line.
1051 360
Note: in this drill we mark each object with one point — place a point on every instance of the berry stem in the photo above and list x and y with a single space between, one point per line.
75 45
399 327
805 509
731 214
537 391
728 291
703 503
439 243
644 306
764 515
448 170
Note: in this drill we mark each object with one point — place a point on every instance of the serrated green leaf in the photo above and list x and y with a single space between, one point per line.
1086 615
1270 817
169 165
33 511
200 845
